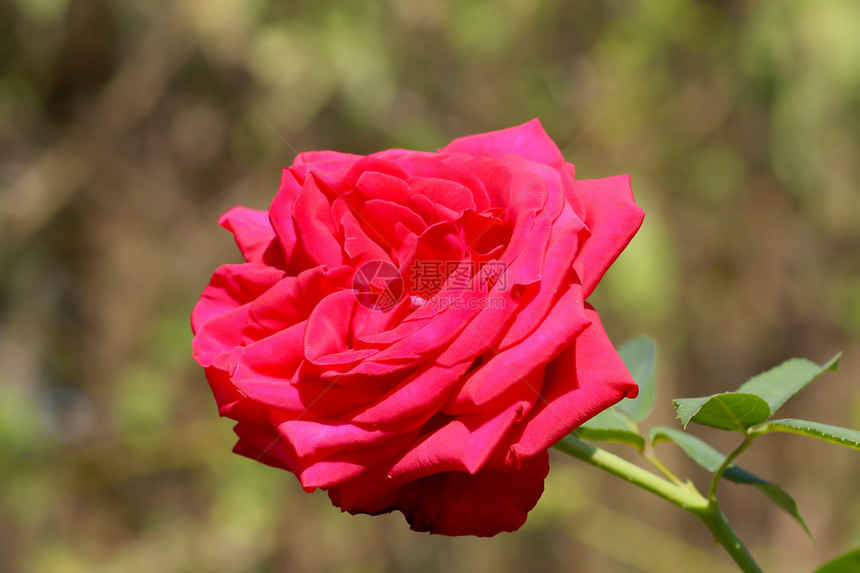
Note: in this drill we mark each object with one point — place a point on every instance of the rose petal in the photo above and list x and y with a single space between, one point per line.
251 229
613 218
528 140
327 160
230 401
275 358
330 167
272 373
426 389
447 193
556 273
281 214
357 244
458 503
312 218
328 325
376 185
376 217
585 379
267 445
232 286
448 443
292 299
329 438
423 165
507 367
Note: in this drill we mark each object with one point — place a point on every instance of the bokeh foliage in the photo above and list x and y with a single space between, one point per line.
126 128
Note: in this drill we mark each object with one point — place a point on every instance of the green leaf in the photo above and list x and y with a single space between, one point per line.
835 434
782 382
781 498
613 426
848 563
710 459
726 411
640 357
702 453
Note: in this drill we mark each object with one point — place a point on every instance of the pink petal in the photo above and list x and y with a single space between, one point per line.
556 274
447 193
327 160
377 215
428 165
427 389
292 299
528 140
508 367
232 286
377 185
613 218
230 401
357 242
251 229
329 324
583 381
312 218
274 359
330 167
219 335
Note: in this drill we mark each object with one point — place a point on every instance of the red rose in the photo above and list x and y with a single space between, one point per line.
366 347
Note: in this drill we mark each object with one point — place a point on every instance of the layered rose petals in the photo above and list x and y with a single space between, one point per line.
438 398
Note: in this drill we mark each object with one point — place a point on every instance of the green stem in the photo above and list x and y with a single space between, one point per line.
663 469
691 501
708 510
725 536
712 491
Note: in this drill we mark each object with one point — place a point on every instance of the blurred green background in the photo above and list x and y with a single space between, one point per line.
126 128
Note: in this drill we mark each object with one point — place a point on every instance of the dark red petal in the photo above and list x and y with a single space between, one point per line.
459 503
